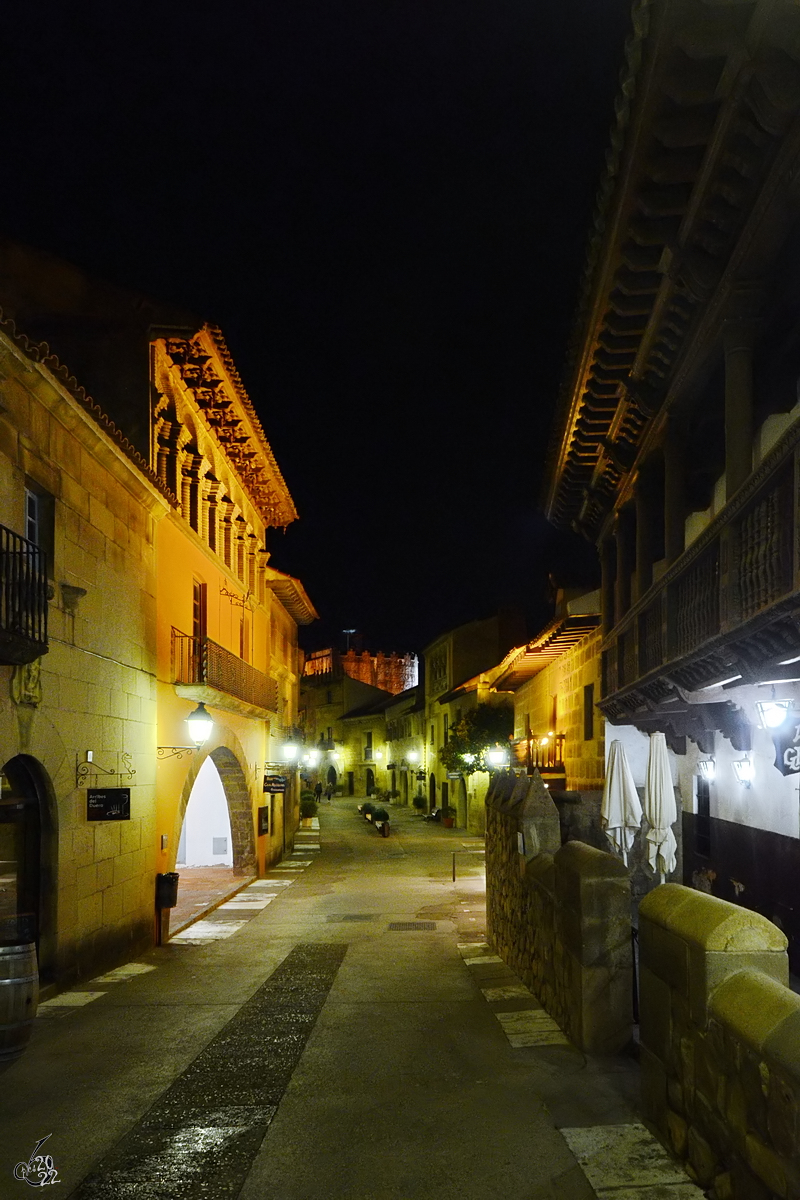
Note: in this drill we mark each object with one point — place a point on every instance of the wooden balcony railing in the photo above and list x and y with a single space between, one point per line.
200 661
23 599
739 568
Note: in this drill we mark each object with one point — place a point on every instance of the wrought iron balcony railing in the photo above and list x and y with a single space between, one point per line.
199 661
734 581
23 599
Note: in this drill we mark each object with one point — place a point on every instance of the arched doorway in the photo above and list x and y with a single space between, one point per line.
206 839
445 795
462 803
331 776
432 792
27 859
239 806
370 781
404 781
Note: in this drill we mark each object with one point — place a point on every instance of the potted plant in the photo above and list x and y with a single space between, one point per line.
448 816
308 809
420 804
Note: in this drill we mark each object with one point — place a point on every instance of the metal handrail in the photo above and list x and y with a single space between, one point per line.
23 590
199 660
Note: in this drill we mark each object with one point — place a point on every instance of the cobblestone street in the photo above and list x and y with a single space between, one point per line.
339 1029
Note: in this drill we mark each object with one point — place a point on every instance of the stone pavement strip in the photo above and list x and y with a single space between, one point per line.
337 1031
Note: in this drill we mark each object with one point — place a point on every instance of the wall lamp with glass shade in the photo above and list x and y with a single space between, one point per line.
708 769
743 770
496 757
290 752
200 724
413 756
772 713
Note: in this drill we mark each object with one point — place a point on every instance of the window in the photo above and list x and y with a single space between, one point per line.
445 728
554 714
588 712
433 735
40 520
368 746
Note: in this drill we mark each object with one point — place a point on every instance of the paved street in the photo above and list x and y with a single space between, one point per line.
339 1030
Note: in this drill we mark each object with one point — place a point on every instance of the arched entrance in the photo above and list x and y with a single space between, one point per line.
461 803
240 809
404 781
432 792
370 781
331 776
27 858
206 839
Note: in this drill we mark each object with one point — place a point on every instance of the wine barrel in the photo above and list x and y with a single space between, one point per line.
19 997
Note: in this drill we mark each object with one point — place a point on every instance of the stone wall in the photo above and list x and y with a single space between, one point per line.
559 915
720 1043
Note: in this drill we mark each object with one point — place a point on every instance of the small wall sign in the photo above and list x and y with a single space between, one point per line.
274 784
263 820
108 804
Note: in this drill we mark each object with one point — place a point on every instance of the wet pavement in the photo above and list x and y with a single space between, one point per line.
339 1029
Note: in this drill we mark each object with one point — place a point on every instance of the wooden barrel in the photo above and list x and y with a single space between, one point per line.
19 997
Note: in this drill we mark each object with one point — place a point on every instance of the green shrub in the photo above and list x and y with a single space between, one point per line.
307 794
419 802
308 806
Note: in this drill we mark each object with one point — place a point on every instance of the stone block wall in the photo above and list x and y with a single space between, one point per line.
720 1043
559 915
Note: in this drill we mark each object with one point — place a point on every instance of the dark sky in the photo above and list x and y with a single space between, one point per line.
385 205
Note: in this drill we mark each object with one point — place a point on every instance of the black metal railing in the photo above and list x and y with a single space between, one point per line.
23 599
198 660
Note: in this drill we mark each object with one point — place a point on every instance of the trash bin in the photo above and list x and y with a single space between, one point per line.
167 889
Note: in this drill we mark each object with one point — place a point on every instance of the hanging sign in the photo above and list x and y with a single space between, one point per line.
787 747
108 804
275 784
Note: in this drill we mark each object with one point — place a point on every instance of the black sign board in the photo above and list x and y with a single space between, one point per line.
263 820
108 804
787 747
275 784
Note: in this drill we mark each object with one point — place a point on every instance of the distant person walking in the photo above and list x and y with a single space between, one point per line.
329 792
318 791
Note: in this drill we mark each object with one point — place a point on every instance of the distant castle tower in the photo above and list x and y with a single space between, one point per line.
390 672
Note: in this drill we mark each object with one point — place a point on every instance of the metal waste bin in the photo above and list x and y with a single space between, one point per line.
167 889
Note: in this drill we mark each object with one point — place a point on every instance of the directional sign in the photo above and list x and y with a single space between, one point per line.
275 784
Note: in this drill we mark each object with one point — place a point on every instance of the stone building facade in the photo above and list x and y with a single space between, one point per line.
134 584
675 445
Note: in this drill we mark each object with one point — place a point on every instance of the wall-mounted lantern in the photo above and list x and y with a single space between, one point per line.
743 769
200 724
708 769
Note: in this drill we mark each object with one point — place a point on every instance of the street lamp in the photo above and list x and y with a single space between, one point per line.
290 752
497 757
200 724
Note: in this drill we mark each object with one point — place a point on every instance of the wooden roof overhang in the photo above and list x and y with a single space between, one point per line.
710 93
207 371
522 663
293 596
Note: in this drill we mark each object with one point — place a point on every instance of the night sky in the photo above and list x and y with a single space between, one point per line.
385 205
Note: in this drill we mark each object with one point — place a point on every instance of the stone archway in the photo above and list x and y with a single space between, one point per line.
332 777
30 823
240 807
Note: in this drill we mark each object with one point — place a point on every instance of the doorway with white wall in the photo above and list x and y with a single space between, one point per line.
206 839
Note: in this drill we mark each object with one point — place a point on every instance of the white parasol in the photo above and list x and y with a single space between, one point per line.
621 811
660 808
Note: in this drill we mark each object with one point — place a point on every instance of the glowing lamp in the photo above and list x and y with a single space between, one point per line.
200 724
773 712
290 752
708 769
743 769
413 756
496 757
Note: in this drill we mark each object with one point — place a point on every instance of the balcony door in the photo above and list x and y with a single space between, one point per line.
199 627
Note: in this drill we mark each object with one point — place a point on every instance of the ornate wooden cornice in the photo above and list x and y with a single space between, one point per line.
710 98
207 372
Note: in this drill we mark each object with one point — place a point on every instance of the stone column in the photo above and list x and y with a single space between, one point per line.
624 534
738 340
674 494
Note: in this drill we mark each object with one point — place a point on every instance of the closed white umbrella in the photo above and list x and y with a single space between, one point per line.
659 808
621 811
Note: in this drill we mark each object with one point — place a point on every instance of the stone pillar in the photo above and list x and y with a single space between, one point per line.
624 534
739 337
674 494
